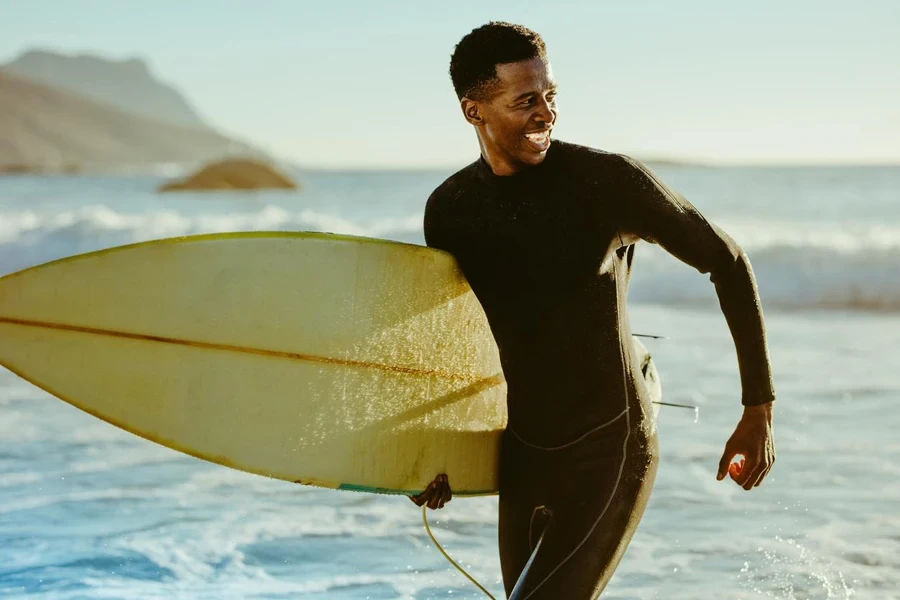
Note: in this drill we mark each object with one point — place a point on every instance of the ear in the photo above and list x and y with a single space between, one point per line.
471 110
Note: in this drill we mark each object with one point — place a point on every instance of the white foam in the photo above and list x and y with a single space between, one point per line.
825 265
787 569
28 238
17 479
848 265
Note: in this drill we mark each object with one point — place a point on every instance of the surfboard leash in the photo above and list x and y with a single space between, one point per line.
447 556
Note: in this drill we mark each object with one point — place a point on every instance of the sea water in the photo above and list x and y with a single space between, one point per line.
89 511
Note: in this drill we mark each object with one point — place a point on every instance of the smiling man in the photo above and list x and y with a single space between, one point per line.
545 233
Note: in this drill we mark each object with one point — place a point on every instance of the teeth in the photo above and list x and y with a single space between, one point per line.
538 137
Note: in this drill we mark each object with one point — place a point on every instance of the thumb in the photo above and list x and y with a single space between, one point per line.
724 462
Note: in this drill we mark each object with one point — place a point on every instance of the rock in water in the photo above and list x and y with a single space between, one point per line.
233 175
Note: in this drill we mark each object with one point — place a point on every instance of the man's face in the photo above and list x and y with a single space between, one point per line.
516 118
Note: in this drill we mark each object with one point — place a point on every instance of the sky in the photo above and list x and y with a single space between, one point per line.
365 84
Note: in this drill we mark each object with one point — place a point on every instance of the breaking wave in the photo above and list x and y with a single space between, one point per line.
833 265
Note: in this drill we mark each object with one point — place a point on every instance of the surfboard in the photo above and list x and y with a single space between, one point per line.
321 359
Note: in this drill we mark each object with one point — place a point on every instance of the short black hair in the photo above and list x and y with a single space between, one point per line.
473 66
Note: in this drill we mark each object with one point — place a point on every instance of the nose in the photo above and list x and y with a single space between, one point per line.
545 112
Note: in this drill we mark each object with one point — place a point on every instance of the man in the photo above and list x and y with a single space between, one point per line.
545 233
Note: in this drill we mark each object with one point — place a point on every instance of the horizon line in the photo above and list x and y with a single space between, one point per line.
663 162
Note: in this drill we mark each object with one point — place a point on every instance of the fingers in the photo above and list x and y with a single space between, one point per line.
748 472
749 475
752 440
447 494
426 496
436 495
436 491
755 470
441 492
767 465
725 463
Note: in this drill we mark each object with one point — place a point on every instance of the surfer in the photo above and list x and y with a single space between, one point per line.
545 233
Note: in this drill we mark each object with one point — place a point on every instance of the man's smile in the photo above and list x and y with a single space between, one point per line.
539 139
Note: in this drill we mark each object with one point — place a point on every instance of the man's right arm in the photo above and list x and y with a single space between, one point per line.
438 491
657 214
434 225
654 212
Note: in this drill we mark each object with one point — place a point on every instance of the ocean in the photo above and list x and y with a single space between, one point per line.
89 511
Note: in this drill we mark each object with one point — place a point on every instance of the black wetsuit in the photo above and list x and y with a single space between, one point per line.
548 252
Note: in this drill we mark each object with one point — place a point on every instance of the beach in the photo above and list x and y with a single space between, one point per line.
89 511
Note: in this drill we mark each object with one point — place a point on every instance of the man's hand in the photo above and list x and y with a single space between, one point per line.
436 494
753 439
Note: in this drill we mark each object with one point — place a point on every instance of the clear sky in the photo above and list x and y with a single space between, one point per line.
364 83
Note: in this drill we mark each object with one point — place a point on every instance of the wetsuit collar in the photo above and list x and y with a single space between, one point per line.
484 171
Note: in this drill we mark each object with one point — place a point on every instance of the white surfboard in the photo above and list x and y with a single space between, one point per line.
321 359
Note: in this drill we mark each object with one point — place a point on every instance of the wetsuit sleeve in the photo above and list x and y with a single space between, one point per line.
431 225
435 225
655 213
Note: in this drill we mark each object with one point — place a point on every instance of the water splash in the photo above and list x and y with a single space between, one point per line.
790 571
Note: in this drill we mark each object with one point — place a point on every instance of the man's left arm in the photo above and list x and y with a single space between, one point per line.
654 212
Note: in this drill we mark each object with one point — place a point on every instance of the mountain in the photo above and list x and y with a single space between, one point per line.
45 128
126 84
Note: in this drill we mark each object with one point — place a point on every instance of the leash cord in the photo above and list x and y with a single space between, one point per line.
447 556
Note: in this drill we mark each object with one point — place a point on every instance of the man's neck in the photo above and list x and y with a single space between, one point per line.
500 166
